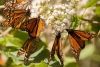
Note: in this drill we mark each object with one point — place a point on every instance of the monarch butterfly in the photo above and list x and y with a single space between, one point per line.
57 47
34 26
15 16
77 39
28 48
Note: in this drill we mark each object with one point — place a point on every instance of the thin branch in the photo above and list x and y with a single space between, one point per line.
90 21
5 32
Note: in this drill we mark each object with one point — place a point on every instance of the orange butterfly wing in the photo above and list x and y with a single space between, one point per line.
17 17
77 39
84 36
77 44
53 50
34 27
57 47
16 13
20 18
40 26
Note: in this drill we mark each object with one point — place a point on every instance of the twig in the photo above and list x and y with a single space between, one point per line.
2 6
91 21
6 32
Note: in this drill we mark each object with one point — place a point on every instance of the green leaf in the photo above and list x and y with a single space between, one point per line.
72 64
13 41
42 64
97 10
75 21
96 18
10 49
20 34
91 3
96 27
36 57
41 54
3 41
10 63
32 65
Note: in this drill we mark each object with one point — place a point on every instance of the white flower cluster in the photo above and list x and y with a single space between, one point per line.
38 7
58 15
59 18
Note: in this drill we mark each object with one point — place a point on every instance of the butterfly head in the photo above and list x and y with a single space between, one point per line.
28 13
69 30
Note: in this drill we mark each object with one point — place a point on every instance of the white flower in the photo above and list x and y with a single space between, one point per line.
47 21
51 17
40 10
34 15
48 12
72 12
55 14
62 13
1 18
